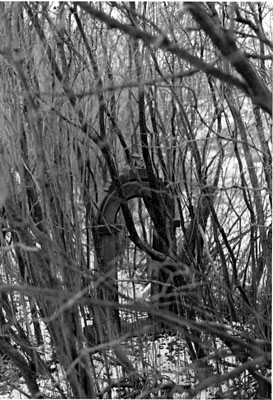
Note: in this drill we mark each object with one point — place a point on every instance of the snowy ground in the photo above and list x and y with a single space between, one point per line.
163 360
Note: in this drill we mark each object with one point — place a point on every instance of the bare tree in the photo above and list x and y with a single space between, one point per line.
155 117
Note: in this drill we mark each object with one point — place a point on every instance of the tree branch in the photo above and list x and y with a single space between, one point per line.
224 41
261 96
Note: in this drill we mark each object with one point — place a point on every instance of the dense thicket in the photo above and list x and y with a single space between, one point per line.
175 97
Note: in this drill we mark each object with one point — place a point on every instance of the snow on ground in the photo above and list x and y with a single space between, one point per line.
162 359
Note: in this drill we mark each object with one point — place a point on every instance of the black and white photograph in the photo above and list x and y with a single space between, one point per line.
136 200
